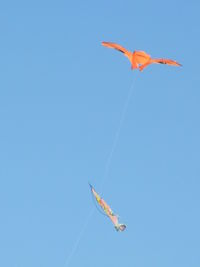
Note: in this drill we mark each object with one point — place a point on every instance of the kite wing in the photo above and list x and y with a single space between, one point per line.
166 61
106 208
120 48
159 61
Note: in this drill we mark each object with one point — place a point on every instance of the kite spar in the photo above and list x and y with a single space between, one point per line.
140 59
107 210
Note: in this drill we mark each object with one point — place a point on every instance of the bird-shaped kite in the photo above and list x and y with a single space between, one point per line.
140 59
107 210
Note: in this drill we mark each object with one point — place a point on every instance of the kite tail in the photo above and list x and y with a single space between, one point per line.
120 227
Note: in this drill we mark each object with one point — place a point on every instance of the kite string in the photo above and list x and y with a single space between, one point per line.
69 258
117 134
107 166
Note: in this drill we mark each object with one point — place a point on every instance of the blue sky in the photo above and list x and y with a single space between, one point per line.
61 99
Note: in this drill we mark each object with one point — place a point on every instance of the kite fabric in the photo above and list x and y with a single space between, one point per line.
106 208
140 59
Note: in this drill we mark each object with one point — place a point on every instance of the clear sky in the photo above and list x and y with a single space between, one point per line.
61 99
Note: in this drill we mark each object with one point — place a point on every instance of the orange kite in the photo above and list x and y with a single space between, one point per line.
140 59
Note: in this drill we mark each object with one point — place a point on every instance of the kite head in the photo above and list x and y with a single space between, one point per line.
120 227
